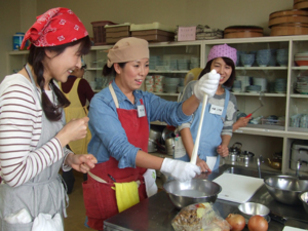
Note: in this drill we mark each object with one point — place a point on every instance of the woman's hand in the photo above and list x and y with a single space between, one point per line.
203 165
82 162
241 122
223 150
76 129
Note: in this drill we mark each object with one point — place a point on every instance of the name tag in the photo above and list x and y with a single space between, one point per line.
141 111
216 110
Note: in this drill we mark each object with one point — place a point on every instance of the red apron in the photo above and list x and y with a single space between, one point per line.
99 198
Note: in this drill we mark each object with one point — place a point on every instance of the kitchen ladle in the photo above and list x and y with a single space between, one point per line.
194 155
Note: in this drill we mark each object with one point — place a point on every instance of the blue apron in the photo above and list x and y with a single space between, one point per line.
211 131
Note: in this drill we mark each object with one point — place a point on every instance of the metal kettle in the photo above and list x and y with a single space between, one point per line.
235 149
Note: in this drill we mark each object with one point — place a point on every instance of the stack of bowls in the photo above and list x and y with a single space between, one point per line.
247 59
245 81
280 85
301 59
261 82
238 55
153 62
194 62
149 83
183 63
158 83
181 85
237 86
263 57
282 57
171 84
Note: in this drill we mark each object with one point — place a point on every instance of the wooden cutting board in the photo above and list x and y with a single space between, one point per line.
237 188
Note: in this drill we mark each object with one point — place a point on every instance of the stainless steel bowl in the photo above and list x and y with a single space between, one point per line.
186 193
285 188
303 197
249 209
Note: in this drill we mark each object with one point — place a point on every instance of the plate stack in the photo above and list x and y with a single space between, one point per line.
288 22
280 85
260 82
302 85
171 84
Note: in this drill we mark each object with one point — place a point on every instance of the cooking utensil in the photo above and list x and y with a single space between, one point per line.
274 163
303 197
185 193
285 189
194 155
261 104
249 209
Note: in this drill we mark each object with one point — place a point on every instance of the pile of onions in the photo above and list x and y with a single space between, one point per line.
257 223
237 221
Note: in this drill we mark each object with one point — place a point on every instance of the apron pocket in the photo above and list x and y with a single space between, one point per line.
16 227
99 199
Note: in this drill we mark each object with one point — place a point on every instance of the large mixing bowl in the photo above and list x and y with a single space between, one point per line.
303 197
186 193
285 188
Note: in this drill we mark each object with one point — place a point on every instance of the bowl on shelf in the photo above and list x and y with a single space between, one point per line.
282 57
247 59
301 59
190 192
285 188
263 57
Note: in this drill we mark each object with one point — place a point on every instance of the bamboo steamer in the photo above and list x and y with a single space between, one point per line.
289 29
288 22
288 16
243 32
300 4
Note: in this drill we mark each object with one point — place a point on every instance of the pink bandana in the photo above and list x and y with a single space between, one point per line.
55 27
222 51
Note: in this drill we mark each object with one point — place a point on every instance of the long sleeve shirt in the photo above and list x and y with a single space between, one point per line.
20 130
108 135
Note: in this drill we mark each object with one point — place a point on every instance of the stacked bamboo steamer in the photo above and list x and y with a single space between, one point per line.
290 22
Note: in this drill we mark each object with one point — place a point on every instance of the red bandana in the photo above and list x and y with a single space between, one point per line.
55 27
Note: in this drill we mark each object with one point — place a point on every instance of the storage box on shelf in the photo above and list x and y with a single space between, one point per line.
99 31
116 32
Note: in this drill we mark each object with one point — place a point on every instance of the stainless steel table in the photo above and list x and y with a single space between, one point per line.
157 212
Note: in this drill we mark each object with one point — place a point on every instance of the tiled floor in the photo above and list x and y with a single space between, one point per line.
76 211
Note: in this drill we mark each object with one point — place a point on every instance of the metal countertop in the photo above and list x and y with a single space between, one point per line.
157 212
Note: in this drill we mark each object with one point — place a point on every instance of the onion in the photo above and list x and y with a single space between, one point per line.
237 221
257 223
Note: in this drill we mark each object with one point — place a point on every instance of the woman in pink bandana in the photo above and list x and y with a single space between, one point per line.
33 138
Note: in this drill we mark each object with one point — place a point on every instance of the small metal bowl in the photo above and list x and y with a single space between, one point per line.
303 197
186 193
249 209
285 189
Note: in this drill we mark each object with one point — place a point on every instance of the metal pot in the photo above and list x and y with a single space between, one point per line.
186 193
274 163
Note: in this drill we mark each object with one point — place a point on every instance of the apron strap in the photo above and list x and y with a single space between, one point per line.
113 94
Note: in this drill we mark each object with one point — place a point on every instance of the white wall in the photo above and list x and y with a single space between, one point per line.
19 15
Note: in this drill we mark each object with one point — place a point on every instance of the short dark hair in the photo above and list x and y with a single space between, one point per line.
229 62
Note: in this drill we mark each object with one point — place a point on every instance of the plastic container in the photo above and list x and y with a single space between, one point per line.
17 39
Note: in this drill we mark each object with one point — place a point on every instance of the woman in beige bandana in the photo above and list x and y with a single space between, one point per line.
120 117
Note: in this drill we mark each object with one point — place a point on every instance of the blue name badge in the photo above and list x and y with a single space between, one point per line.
141 111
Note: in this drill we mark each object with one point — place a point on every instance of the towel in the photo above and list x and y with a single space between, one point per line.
126 195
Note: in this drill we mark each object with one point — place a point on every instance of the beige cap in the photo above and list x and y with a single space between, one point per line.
128 49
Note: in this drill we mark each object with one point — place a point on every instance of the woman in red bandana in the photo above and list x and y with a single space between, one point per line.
33 137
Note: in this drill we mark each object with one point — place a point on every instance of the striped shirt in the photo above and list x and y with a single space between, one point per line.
20 130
